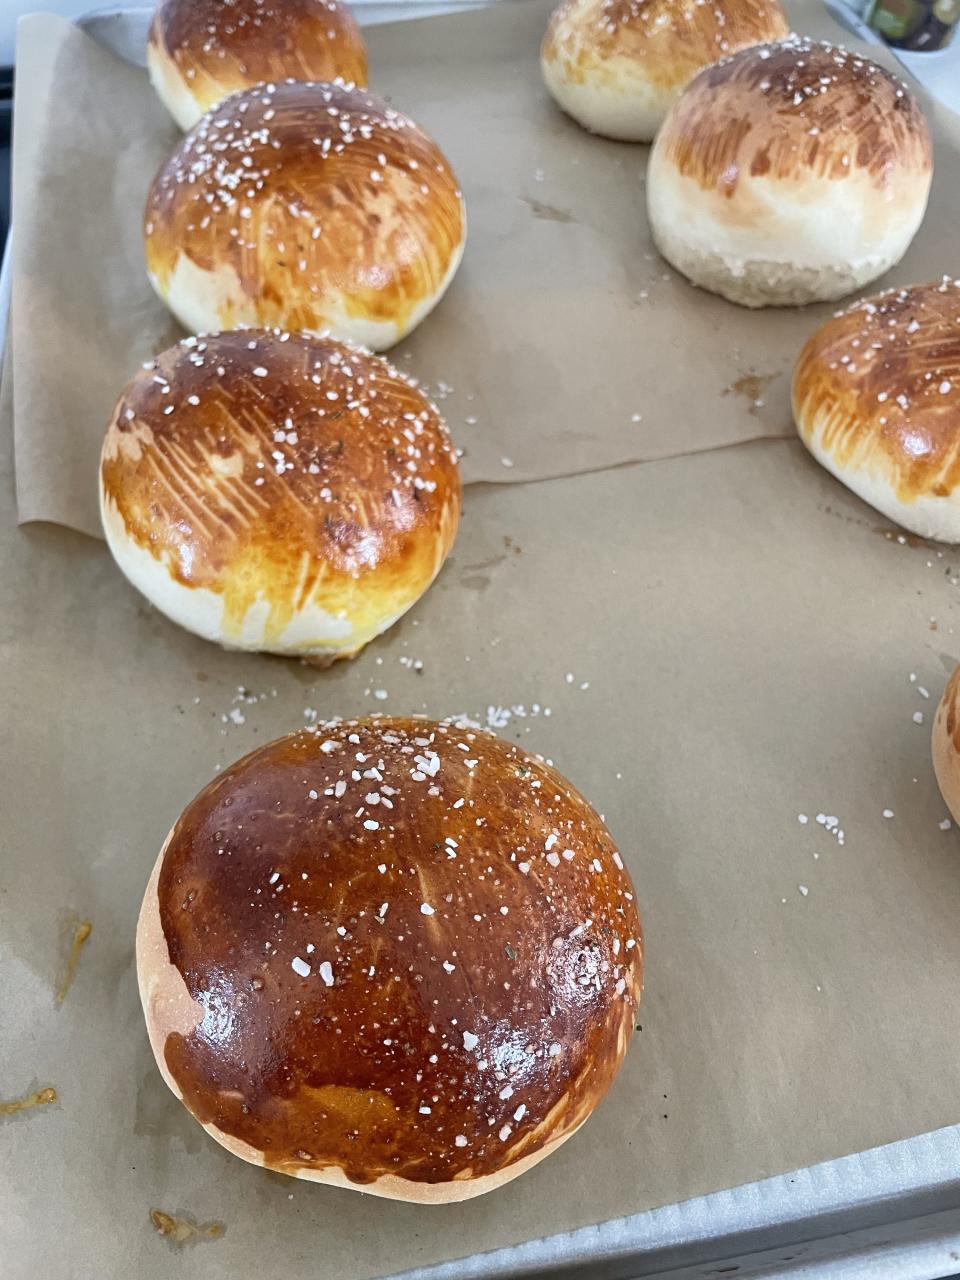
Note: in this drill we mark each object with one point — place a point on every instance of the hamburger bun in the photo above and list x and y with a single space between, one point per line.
201 51
395 955
278 492
305 206
789 173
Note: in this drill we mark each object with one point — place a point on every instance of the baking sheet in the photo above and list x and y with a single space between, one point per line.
746 631
891 1212
564 343
734 682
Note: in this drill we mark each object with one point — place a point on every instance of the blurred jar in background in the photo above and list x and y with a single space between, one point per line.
920 25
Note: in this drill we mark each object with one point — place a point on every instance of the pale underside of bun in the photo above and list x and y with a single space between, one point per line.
277 492
312 632
196 294
201 51
616 66
876 400
351 1101
945 745
171 88
771 188
614 101
309 206
740 271
937 518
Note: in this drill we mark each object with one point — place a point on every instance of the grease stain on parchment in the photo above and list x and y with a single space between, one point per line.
39 1098
751 387
547 212
74 934
181 1229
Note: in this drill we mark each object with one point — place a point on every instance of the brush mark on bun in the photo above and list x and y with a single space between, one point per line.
794 108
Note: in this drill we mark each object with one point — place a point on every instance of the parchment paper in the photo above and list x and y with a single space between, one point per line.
564 345
724 642
747 634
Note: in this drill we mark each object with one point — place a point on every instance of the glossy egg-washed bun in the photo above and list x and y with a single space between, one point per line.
876 399
201 51
390 954
277 491
789 173
305 206
617 66
945 745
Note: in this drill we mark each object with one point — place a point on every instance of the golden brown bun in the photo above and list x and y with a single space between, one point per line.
945 745
394 955
305 206
277 491
201 51
788 173
876 399
617 66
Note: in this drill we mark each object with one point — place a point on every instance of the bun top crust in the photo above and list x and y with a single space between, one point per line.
877 388
319 200
945 745
947 718
794 110
669 41
220 46
414 951
267 466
